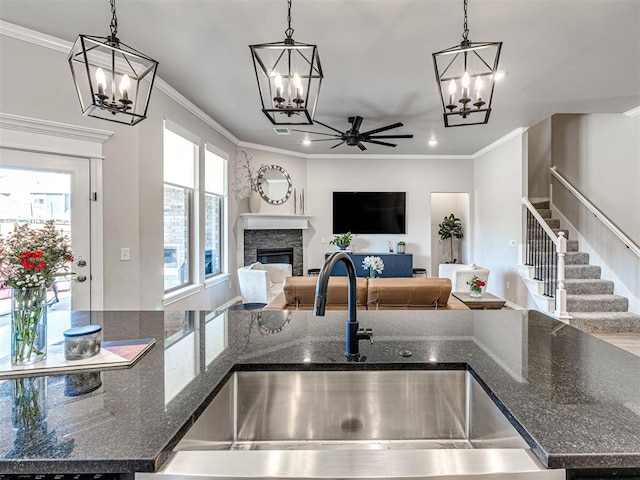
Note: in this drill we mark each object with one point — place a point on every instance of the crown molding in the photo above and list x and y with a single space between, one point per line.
492 146
37 38
55 129
634 112
59 45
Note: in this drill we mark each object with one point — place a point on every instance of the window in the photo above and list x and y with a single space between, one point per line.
180 157
215 168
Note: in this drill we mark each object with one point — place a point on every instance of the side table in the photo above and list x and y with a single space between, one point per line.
487 301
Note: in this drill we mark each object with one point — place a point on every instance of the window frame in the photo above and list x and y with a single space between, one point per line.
223 205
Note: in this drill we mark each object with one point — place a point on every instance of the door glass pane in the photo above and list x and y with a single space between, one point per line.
176 236
32 197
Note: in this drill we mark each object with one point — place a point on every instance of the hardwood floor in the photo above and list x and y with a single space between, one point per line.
627 341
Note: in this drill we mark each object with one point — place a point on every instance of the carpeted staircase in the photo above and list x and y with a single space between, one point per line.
590 300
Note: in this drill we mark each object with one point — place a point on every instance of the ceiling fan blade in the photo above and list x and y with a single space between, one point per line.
361 146
315 133
327 126
337 145
392 136
381 143
355 125
382 129
325 139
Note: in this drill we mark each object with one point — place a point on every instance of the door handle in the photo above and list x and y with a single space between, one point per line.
82 263
81 278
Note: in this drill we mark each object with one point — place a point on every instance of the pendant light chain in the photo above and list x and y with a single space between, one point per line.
465 33
289 31
114 20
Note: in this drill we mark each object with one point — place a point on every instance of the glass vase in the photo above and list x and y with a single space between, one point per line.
28 325
475 291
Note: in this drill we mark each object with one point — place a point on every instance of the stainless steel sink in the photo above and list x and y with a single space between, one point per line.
354 424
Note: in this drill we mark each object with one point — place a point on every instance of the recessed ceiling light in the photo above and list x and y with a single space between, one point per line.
306 141
433 143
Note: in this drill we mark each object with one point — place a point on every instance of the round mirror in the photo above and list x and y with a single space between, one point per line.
274 184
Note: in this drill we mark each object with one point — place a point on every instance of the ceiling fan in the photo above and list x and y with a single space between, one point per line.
353 137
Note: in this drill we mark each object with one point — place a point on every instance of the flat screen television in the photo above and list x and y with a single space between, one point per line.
369 212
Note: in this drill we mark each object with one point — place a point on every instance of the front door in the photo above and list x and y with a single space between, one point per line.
34 188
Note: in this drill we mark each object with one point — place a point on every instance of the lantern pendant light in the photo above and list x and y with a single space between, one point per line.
467 73
289 76
113 80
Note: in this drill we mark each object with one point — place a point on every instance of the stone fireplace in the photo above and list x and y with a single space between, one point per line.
274 246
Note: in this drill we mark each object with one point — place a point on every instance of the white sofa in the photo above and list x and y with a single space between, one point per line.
262 282
461 273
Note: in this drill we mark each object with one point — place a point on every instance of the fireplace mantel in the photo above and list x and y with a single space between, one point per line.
274 221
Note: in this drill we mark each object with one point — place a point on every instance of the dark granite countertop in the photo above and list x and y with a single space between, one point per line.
575 398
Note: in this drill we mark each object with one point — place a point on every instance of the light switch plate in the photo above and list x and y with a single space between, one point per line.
125 254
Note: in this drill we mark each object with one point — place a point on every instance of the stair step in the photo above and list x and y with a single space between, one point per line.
544 212
606 321
576 258
597 303
572 245
588 286
553 222
582 271
539 205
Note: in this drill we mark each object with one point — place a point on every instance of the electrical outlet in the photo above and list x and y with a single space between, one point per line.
513 243
125 254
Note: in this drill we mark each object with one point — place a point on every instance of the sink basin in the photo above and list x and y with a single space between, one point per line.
419 424
382 409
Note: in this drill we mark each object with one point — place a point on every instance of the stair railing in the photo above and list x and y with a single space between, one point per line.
597 213
545 252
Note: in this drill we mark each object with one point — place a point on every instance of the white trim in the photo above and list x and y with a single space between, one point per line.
55 129
217 280
97 236
384 156
59 45
32 36
230 303
181 294
266 148
172 93
274 221
513 306
634 112
512 134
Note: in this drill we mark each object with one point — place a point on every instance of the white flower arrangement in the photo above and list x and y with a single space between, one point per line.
374 264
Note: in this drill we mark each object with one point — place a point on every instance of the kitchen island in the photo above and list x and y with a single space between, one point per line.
574 398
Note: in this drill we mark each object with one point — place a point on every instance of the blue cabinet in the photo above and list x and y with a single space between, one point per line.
395 264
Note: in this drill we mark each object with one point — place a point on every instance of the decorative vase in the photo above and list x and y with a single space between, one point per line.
372 272
254 201
28 325
29 402
342 246
475 291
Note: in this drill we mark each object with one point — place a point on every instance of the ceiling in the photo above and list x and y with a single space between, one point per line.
561 56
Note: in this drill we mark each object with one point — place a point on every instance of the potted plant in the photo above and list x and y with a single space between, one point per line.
342 240
450 228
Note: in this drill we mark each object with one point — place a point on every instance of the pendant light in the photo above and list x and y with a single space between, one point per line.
113 80
289 76
466 75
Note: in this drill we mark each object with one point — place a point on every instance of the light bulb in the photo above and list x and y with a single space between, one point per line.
101 80
452 91
277 81
297 84
125 84
478 87
466 81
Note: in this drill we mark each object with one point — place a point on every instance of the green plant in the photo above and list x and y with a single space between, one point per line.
342 240
451 228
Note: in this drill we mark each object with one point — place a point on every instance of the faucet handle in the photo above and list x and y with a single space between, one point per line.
366 333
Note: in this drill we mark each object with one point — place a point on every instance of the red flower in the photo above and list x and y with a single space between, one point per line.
480 283
41 265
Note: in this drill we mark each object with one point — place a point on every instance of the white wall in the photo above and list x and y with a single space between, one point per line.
499 188
36 82
539 160
599 154
417 177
